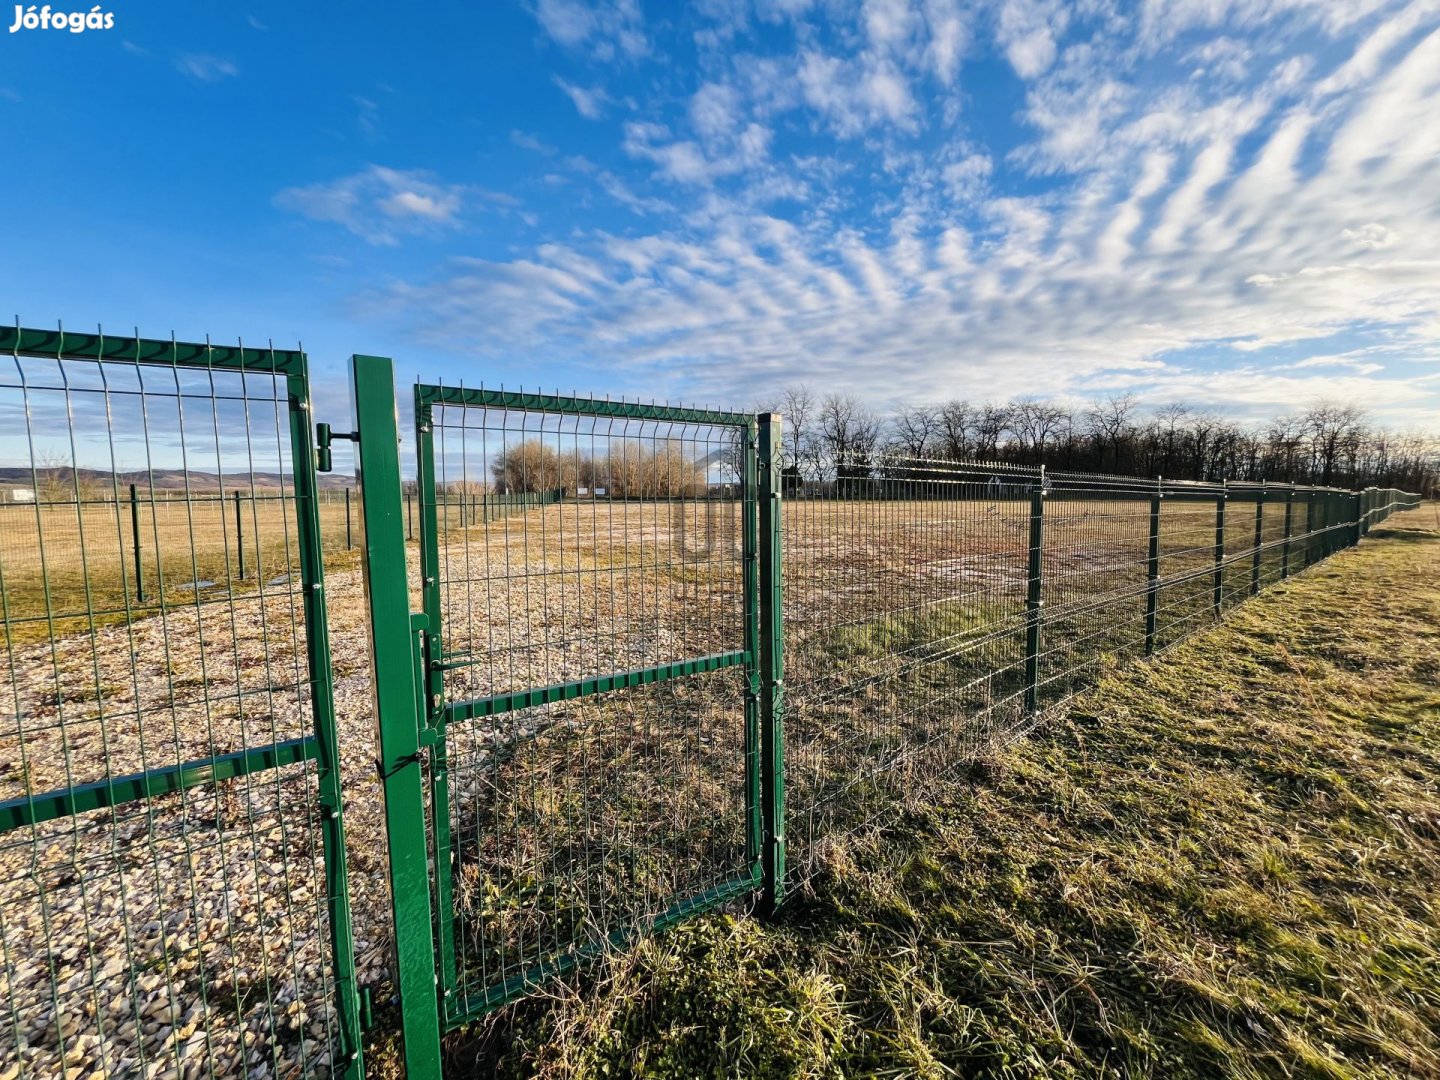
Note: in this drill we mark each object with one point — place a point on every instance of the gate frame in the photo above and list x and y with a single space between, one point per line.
322 744
412 714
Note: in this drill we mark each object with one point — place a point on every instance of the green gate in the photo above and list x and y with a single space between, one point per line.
173 896
578 710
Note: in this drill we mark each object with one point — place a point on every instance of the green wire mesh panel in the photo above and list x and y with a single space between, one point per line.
1094 582
934 607
166 906
905 615
587 574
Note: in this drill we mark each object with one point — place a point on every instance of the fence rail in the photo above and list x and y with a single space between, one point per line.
624 667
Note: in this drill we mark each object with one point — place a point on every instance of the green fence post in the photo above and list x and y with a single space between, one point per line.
750 542
397 688
1289 517
772 667
1034 595
1152 573
329 782
1219 582
349 539
1309 527
432 693
1259 542
239 537
135 543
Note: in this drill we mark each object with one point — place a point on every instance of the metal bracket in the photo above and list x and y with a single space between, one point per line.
324 436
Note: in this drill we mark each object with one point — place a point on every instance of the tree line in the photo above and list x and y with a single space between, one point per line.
1329 444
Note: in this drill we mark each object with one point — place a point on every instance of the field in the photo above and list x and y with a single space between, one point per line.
160 937
1220 863
70 563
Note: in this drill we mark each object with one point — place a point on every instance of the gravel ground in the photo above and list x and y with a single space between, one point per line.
187 937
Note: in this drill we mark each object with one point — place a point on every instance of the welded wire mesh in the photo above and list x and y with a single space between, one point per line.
164 905
932 607
568 549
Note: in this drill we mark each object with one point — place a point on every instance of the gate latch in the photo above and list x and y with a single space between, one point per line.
323 438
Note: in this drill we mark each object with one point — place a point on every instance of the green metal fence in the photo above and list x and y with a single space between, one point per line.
173 896
611 684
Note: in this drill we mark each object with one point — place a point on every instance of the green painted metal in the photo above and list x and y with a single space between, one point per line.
1258 547
322 689
432 709
81 617
69 345
458 958
1217 602
1152 574
118 790
577 406
772 665
455 711
1034 598
135 544
393 643
750 592
475 1005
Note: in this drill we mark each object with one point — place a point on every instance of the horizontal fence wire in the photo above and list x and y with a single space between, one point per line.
588 590
934 610
164 901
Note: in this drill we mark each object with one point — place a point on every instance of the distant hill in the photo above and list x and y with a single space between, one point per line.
170 480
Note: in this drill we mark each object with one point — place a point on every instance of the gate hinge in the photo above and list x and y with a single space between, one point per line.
323 438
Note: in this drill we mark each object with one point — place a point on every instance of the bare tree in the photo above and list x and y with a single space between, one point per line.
1108 421
849 433
1333 431
917 430
954 434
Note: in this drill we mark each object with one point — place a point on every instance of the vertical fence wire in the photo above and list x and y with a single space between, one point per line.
164 901
592 782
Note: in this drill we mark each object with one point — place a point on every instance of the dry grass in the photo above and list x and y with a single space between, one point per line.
569 820
64 569
1220 863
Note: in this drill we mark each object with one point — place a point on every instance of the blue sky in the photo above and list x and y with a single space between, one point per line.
1235 203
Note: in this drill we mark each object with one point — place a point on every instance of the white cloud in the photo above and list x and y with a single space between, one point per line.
205 67
1237 193
605 30
589 103
1028 30
1369 237
378 204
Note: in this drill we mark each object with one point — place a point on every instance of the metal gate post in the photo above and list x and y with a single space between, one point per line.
1219 583
1034 596
1152 573
433 691
1289 529
397 699
750 488
772 669
322 691
1259 541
